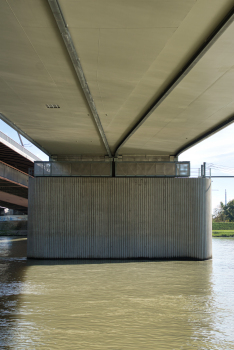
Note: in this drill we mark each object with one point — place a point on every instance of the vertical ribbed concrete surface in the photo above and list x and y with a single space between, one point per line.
74 217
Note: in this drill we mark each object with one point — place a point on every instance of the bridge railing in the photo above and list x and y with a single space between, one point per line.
105 168
212 172
152 169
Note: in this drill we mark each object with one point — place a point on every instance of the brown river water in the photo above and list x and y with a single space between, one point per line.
74 304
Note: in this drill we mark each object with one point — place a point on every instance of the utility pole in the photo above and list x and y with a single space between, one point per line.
225 197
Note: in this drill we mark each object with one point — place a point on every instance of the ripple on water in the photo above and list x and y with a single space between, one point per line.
116 305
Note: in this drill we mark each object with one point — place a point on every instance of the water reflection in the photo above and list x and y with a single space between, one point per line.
12 270
117 305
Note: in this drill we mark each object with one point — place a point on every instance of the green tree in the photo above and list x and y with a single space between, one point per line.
219 215
229 211
224 212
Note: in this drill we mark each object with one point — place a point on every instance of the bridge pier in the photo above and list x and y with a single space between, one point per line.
119 218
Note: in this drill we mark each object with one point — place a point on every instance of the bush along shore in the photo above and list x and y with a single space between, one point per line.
13 228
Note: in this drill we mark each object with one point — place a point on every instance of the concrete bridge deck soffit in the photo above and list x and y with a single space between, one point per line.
107 78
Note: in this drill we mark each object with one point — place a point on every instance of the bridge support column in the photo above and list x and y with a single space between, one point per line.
119 218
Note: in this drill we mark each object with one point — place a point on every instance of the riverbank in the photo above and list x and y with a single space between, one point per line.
14 233
223 233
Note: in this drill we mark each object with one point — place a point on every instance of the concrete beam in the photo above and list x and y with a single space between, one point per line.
6 140
63 28
26 136
196 57
7 172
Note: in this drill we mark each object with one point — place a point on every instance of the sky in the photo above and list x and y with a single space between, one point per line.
217 151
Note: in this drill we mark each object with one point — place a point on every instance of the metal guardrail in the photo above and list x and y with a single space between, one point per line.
208 172
196 172
152 169
85 168
18 146
122 169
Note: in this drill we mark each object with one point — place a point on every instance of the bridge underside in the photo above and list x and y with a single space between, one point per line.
13 195
13 188
15 164
111 80
116 78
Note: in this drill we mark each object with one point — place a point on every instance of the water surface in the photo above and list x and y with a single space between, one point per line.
116 304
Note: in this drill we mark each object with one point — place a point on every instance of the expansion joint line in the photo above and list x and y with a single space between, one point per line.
206 45
63 28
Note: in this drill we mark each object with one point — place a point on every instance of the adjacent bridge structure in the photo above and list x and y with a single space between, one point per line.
113 92
16 166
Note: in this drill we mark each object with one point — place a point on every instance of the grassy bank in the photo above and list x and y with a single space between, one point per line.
223 229
223 233
223 226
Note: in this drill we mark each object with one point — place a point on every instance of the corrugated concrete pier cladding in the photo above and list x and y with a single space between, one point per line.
73 217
